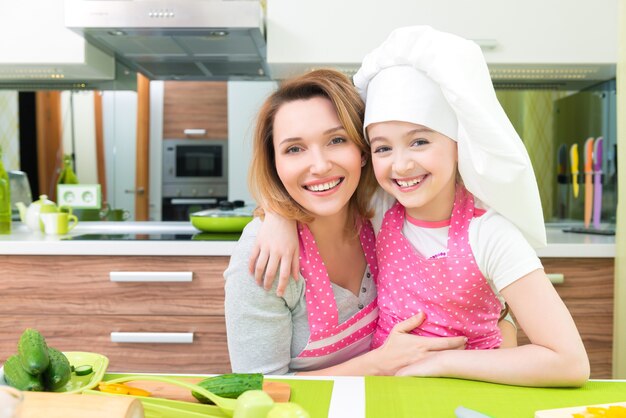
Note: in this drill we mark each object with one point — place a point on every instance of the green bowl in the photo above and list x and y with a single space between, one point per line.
213 220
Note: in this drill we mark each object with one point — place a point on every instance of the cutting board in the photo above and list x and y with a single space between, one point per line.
568 412
279 392
64 405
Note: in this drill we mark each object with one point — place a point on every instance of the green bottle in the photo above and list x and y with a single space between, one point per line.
67 175
5 199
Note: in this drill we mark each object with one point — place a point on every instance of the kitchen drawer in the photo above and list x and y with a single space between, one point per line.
64 285
587 291
86 332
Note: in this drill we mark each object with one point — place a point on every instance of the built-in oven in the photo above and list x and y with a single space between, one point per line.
195 176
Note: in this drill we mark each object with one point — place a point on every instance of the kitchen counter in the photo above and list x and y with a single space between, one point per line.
23 241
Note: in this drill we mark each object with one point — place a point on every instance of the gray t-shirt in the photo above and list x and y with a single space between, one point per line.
265 332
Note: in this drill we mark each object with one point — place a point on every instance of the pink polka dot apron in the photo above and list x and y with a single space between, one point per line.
449 289
330 342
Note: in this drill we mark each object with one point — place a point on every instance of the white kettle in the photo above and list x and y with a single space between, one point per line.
30 215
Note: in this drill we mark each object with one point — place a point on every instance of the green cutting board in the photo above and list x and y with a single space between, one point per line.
433 397
313 395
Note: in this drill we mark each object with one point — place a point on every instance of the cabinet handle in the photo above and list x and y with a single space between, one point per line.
556 278
194 131
193 201
152 337
486 44
151 276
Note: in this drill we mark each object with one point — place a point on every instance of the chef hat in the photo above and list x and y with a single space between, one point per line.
493 161
406 94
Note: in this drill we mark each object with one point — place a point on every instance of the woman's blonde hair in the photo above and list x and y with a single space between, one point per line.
265 185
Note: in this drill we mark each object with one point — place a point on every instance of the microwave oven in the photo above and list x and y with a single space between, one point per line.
195 168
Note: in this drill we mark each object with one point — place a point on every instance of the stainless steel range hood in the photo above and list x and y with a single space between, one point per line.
177 39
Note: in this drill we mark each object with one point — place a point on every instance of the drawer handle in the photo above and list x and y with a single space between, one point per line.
194 131
151 276
152 337
556 278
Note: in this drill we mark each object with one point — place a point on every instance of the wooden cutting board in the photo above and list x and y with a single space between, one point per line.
279 392
568 412
69 405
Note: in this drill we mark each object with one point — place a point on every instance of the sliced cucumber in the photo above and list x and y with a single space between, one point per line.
83 370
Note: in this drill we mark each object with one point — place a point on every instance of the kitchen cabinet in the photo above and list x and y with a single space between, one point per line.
37 47
195 109
74 302
529 37
587 290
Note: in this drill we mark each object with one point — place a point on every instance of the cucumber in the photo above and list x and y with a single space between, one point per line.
16 376
230 385
33 351
83 370
58 372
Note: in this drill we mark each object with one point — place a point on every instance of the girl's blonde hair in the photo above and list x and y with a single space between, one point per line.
263 180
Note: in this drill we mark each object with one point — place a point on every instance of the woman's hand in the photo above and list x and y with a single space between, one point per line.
402 349
276 247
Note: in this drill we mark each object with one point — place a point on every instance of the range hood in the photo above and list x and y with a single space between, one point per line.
177 39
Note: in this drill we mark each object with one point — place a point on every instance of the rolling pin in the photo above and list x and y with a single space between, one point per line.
64 405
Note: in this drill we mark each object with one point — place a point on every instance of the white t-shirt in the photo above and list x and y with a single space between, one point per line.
502 253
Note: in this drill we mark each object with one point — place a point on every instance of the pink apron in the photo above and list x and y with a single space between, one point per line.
330 342
449 289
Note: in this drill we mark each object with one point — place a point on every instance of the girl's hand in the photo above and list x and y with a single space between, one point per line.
427 366
276 247
402 349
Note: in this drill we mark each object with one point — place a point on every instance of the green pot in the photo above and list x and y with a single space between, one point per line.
214 220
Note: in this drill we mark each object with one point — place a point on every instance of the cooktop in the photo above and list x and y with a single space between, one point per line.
200 236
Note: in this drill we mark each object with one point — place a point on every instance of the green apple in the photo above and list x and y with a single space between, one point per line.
253 404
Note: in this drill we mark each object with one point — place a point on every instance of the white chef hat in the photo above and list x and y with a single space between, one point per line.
441 81
406 94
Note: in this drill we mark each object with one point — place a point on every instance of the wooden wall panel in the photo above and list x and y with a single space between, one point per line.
49 141
100 153
142 173
588 294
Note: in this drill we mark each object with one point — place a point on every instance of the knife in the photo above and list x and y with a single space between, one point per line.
588 180
573 155
561 179
597 169
463 412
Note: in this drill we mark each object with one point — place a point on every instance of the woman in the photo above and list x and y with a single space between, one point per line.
310 165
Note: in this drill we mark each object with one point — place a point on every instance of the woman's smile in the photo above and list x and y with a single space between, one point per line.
324 187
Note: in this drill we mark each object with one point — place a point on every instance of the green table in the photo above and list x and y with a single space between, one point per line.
437 397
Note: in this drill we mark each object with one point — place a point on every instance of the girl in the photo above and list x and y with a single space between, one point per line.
309 158
467 210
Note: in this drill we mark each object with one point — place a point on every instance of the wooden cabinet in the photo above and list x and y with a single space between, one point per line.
75 304
200 106
587 290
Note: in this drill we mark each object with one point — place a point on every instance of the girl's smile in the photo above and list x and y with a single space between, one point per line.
409 184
